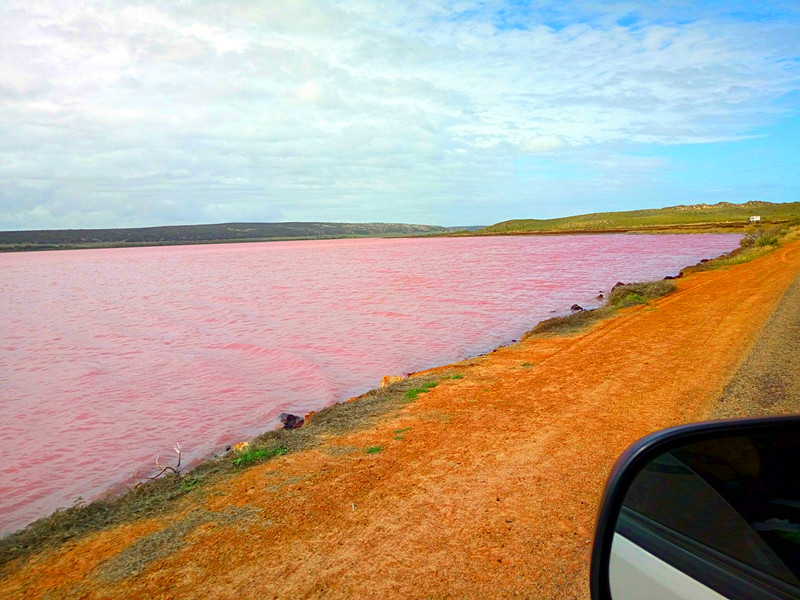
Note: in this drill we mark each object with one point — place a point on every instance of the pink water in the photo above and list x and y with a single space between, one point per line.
109 357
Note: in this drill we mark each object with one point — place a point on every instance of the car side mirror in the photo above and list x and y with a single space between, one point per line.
704 511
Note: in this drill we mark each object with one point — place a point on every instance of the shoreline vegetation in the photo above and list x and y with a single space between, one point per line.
722 217
161 495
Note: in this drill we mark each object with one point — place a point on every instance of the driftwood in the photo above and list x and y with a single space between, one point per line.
164 468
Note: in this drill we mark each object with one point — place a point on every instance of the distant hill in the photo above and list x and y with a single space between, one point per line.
697 217
199 234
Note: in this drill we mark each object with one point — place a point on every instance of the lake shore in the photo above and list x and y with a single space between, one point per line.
484 485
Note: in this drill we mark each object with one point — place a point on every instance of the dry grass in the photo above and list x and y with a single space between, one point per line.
570 324
758 243
161 495
622 296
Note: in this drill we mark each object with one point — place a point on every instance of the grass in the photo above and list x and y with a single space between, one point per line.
700 218
162 496
413 393
632 294
252 456
757 243
188 484
457 376
571 324
622 296
373 449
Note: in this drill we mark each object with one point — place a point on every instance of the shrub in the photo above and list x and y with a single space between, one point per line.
632 294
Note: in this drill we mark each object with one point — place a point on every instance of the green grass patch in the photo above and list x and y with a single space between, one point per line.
373 449
399 438
457 376
188 484
527 364
254 455
413 393
403 430
639 293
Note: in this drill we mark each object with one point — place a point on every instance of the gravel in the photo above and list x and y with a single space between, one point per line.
768 381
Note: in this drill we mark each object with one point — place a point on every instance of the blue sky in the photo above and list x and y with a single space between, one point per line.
123 114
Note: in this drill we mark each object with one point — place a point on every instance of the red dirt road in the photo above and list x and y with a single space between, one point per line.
485 487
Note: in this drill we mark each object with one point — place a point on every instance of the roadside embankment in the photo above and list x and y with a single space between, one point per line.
485 485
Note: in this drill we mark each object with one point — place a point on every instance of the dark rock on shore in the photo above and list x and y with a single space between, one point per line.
291 421
577 308
618 284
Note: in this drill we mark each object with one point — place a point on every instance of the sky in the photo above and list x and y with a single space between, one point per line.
130 113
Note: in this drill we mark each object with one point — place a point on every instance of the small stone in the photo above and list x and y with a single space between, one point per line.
577 308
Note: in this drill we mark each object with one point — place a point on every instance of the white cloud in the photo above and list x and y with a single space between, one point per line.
353 110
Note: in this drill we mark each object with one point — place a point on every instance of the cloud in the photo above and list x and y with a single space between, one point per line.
180 111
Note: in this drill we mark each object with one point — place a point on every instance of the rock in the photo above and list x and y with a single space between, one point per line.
703 260
390 379
291 421
618 284
600 297
577 308
670 277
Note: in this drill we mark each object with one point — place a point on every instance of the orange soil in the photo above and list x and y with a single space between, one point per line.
492 490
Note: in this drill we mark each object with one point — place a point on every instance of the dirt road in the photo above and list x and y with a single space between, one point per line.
485 487
768 382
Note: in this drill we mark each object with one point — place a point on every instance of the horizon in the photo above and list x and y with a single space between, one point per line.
151 114
372 222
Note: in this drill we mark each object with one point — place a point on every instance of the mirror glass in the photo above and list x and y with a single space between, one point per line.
719 518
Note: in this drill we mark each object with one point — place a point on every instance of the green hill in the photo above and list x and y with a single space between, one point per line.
699 217
203 234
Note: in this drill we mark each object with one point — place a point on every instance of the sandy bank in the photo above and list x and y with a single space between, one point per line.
486 486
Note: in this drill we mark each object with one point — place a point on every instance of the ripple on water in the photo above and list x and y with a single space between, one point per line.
109 357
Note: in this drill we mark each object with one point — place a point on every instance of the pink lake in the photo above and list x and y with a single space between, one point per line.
109 357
